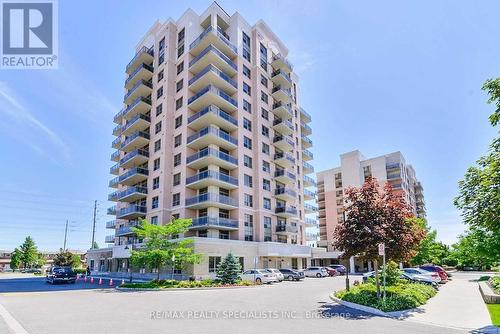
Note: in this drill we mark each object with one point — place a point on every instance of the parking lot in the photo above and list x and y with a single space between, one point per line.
293 307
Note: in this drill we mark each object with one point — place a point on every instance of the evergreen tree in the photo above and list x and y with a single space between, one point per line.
228 271
29 253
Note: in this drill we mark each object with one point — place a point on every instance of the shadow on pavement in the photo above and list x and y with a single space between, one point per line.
39 284
332 310
486 330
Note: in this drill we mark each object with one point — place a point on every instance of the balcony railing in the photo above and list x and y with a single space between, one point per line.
138 54
138 84
133 154
287 91
220 34
114 169
309 193
285 122
285 138
284 105
308 166
136 102
133 171
215 221
140 67
211 197
215 131
287 228
135 119
116 142
310 221
393 166
307 140
215 110
283 190
306 127
216 91
283 172
214 153
309 180
109 239
115 155
134 208
306 114
132 190
281 155
111 224
212 68
310 207
308 154
133 136
213 49
283 73
283 59
210 174
112 210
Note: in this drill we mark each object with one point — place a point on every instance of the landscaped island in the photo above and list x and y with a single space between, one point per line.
173 284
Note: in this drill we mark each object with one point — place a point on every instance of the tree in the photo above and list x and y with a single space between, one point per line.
429 250
28 253
160 250
374 217
15 259
492 87
474 248
67 259
228 271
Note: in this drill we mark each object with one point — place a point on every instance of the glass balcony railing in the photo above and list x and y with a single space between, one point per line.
282 73
113 196
287 91
137 70
138 54
393 166
306 127
117 130
211 197
131 209
114 169
111 224
283 191
310 221
116 142
212 68
133 136
308 153
308 166
223 37
133 171
281 155
284 122
216 91
210 174
307 140
214 131
112 210
283 59
309 193
132 190
135 119
135 103
310 207
215 221
115 155
123 230
287 228
306 114
288 107
136 85
282 172
310 180
213 153
216 111
213 49
133 154
109 239
283 138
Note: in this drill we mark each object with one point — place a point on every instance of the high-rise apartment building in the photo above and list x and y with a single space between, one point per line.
212 129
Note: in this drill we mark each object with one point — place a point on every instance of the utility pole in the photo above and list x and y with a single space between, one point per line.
93 225
65 235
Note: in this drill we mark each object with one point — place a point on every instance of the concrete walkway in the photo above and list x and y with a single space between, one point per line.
458 304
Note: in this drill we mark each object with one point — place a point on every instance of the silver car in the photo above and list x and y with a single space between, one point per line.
276 273
315 272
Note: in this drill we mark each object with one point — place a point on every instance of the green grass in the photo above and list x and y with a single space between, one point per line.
173 284
494 313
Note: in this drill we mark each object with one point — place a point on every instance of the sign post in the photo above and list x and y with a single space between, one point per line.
381 251
255 261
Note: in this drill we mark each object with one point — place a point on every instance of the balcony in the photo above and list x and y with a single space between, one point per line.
212 75
305 129
115 156
283 143
286 229
310 222
309 195
307 155
118 117
285 194
286 211
115 169
144 55
281 78
131 212
139 106
111 224
393 176
141 72
114 182
280 62
113 197
124 230
117 130
135 140
210 177
212 55
210 156
111 210
109 239
214 222
282 94
133 176
282 110
116 143
307 168
312 236
285 127
215 116
304 116
134 158
212 95
306 142
212 135
132 194
393 166
216 37
285 160
211 200
137 123
140 88
284 176
309 182
308 208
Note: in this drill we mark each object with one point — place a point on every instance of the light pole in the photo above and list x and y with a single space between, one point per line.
173 265
348 261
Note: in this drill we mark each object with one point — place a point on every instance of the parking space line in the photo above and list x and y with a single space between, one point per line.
11 322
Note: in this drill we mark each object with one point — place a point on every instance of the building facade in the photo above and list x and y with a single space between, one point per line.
212 129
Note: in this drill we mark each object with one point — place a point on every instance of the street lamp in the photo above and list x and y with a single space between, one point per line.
348 261
173 265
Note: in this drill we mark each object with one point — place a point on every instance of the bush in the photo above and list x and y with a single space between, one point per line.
173 284
495 283
483 278
80 270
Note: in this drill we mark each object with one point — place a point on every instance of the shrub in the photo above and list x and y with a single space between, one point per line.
483 278
495 283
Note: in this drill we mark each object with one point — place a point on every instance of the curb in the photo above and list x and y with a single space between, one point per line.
372 310
186 289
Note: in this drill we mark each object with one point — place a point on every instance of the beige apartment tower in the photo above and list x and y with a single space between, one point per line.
212 129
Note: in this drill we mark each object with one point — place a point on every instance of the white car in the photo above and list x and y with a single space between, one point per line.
417 271
276 273
259 276
315 272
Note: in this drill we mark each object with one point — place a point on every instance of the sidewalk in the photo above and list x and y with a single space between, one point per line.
458 304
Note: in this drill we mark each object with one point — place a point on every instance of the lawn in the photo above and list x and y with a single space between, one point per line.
494 313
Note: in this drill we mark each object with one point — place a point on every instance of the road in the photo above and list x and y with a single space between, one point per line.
288 307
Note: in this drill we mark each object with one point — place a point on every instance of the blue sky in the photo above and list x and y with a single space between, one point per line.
375 76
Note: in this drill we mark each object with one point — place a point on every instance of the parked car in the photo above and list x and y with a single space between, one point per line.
339 268
292 275
418 271
436 269
315 272
331 272
276 273
259 276
420 279
61 274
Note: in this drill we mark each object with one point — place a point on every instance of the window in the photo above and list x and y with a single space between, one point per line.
154 220
246 54
267 203
203 233
180 68
160 75
213 263
159 92
248 200
265 131
179 85
247 106
157 145
265 114
224 235
161 58
156 182
158 127
177 159
178 140
178 121
246 72
154 203
176 199
246 47
247 124
265 148
180 50
247 161
247 89
161 45
178 103
263 80
181 35
266 184
159 109
264 97
156 164
263 57
247 142
177 179
248 180
266 166
248 222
